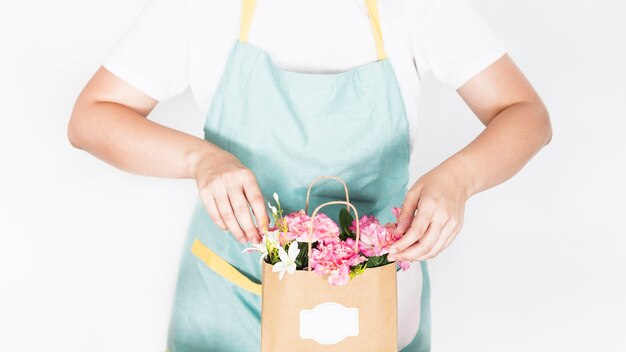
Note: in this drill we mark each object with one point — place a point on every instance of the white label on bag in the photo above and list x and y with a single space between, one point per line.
329 323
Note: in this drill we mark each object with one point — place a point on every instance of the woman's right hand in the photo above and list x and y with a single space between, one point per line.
227 189
109 120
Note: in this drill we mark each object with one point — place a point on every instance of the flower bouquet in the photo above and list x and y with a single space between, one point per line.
336 250
302 254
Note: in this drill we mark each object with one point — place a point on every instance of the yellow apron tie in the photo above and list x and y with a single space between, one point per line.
247 9
223 268
372 9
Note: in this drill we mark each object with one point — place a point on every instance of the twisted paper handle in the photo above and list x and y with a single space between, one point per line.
319 178
358 228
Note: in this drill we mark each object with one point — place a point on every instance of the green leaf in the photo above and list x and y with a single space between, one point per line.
272 256
357 270
373 262
345 218
345 221
302 260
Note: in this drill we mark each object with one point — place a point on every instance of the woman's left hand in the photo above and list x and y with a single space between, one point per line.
439 197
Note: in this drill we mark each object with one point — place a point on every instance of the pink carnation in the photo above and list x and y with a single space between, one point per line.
404 265
375 239
335 259
365 221
324 228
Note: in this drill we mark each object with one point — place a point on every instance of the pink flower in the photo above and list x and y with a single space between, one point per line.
404 265
365 221
375 239
335 259
324 228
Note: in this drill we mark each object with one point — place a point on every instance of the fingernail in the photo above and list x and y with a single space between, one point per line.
390 258
393 250
242 240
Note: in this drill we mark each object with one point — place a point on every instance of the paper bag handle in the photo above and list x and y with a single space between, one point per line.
358 229
316 180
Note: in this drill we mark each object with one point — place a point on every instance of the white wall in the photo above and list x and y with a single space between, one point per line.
88 254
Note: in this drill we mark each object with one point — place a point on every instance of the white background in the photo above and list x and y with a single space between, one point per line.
88 254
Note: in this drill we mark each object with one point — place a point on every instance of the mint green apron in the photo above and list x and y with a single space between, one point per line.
289 128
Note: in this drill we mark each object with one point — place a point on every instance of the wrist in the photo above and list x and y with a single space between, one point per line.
195 159
464 174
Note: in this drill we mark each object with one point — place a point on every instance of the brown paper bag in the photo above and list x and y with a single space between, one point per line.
303 312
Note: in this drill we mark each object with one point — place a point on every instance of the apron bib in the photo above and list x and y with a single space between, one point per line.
289 127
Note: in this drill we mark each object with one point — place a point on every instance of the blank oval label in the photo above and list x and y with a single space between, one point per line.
329 323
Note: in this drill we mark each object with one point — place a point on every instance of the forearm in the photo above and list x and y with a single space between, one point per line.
125 139
508 142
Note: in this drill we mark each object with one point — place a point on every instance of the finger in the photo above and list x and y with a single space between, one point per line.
227 214
420 223
455 232
452 237
243 215
446 232
407 212
425 244
256 201
211 208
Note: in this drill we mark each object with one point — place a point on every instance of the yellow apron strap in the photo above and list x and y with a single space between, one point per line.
247 10
223 268
372 9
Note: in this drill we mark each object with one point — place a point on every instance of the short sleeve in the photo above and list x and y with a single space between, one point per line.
152 55
451 39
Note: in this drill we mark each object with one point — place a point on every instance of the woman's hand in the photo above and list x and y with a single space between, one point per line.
439 197
109 121
517 127
226 188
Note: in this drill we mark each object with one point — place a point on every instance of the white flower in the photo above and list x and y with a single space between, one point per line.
273 238
276 197
268 242
259 247
274 210
287 260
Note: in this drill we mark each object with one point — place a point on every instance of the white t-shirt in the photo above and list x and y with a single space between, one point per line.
175 44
